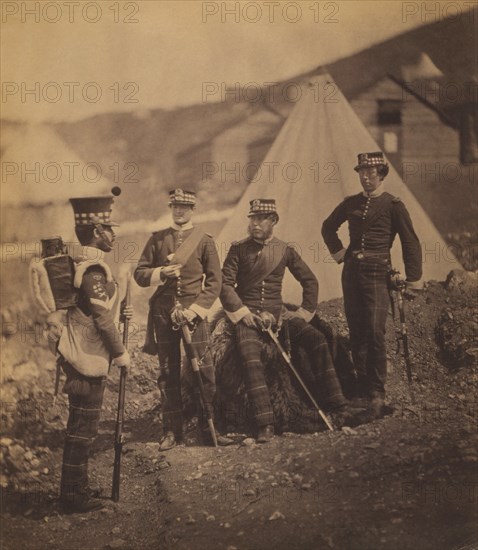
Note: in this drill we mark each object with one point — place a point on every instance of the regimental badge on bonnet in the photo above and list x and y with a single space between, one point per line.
180 196
93 210
368 160
262 206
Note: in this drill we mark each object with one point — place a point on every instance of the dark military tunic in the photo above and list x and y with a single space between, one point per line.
374 222
243 293
197 288
265 295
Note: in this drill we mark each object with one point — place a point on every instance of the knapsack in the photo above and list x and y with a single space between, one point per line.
52 277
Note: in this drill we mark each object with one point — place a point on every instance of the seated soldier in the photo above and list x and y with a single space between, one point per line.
251 296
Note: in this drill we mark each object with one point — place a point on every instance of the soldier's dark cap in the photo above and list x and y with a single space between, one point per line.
262 206
93 210
180 196
369 160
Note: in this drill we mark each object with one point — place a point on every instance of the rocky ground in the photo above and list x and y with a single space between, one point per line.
408 481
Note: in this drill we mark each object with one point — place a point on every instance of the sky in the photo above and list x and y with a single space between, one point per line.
67 60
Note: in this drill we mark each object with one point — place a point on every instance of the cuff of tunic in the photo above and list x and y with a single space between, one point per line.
236 316
415 285
339 256
305 314
198 310
156 277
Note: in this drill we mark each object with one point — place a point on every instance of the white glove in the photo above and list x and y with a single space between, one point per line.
123 360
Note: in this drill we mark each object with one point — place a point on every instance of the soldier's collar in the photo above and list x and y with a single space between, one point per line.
375 193
188 225
267 241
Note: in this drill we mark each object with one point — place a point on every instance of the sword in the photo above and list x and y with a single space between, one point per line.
285 356
398 285
192 356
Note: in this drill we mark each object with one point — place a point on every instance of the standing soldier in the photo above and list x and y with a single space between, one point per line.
374 217
89 341
183 263
251 295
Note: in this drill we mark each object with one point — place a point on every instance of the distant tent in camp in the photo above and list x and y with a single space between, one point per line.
309 171
40 173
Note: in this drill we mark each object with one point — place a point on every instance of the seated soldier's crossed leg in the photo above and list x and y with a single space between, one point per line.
249 343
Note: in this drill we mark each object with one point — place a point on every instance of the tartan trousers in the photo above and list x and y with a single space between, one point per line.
366 303
316 347
85 397
249 343
169 355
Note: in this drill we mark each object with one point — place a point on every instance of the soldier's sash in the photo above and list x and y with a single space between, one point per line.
188 246
270 257
181 256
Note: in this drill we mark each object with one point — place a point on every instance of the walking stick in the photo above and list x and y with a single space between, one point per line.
192 356
119 438
286 358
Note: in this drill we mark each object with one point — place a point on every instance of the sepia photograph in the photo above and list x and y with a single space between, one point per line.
239 275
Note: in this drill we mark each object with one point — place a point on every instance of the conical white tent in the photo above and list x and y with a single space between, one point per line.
309 171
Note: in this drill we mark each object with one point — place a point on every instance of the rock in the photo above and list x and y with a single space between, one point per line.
348 431
276 515
15 456
210 517
6 441
190 520
115 531
248 442
459 279
28 455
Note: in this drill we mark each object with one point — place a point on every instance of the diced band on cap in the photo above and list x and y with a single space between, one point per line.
369 160
93 210
262 206
180 196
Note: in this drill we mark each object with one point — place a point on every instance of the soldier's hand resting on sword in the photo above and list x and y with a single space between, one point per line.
251 320
179 316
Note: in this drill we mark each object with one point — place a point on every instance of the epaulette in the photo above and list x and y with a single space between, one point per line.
158 231
396 199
